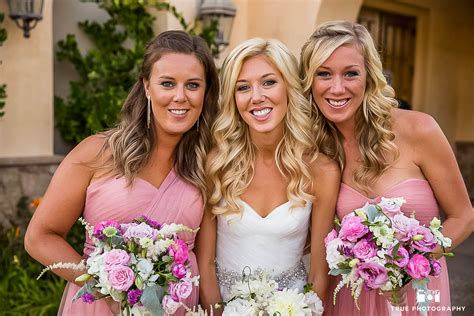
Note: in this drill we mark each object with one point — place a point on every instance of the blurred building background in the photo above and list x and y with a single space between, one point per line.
426 45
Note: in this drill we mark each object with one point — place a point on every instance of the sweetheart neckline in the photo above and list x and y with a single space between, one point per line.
386 190
269 214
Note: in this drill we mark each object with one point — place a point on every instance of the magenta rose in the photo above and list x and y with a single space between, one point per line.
364 250
352 228
115 258
121 278
435 268
418 267
403 253
180 291
179 270
330 237
179 251
169 305
422 238
373 274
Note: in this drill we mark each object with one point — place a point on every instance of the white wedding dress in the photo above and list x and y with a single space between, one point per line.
273 245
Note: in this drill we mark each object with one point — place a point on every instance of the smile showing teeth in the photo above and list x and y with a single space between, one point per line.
337 103
262 112
178 112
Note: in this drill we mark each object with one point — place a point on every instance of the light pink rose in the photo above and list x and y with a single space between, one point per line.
373 274
169 305
352 228
428 241
179 251
138 231
179 270
418 267
331 236
391 207
121 278
364 250
402 224
180 291
115 258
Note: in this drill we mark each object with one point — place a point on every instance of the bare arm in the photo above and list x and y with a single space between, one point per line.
326 181
436 159
61 206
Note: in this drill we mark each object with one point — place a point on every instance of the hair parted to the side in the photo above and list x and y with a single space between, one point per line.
373 118
130 143
232 170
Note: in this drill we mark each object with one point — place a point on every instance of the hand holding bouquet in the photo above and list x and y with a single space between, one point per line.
378 247
139 264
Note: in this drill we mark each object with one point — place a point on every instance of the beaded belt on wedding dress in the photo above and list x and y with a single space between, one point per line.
286 279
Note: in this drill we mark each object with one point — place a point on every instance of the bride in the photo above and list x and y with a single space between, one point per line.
267 184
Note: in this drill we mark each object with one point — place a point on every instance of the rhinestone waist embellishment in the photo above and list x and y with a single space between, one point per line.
287 279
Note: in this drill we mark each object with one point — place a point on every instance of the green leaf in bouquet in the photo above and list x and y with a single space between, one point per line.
151 299
116 241
336 272
86 288
395 249
372 212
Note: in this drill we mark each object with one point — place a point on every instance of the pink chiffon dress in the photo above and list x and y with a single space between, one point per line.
175 201
419 198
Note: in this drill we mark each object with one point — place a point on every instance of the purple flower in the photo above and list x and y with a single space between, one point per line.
422 238
352 228
418 267
345 251
402 252
179 270
179 251
373 274
435 268
103 229
87 298
149 221
133 296
364 250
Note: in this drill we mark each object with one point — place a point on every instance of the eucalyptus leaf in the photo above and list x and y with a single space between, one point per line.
372 213
336 272
151 299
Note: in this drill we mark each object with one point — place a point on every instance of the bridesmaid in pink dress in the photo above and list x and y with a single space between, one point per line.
151 163
382 151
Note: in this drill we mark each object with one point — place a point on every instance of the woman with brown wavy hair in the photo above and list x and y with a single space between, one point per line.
382 151
151 163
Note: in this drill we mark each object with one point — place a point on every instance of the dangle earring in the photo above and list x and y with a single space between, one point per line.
311 99
148 111
197 124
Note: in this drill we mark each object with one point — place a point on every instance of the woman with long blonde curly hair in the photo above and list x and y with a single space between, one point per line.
151 163
267 184
382 151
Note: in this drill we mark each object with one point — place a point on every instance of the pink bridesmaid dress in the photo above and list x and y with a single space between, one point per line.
175 201
419 198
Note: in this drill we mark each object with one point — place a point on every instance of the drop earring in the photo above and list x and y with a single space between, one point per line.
148 111
197 124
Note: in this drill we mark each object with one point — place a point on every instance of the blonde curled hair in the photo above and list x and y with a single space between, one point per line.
232 169
373 119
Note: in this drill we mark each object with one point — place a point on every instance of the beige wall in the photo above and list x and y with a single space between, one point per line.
27 69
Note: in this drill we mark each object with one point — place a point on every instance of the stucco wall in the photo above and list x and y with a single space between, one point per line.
27 69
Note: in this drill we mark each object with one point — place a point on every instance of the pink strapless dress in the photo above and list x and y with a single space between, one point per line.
420 198
175 201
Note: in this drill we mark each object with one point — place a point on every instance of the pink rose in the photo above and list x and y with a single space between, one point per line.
418 267
352 228
403 225
373 274
115 258
402 252
169 305
138 231
180 291
435 268
364 250
179 270
121 278
422 238
330 237
179 251
391 207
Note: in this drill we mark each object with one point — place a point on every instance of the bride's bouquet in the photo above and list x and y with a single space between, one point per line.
142 265
378 247
260 296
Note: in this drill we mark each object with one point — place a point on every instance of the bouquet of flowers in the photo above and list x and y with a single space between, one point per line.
138 264
378 247
261 296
